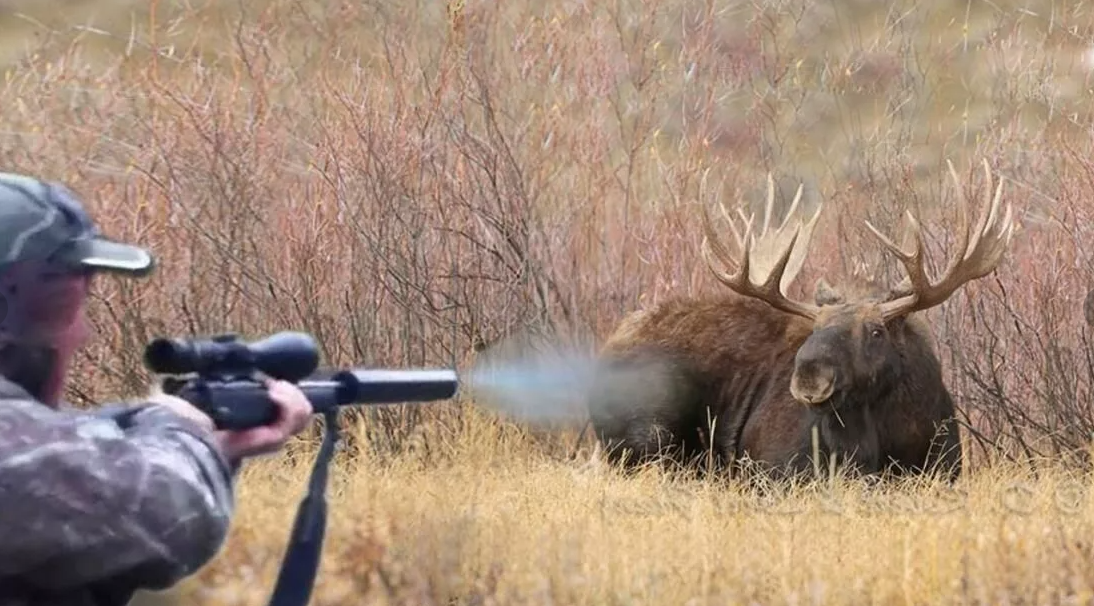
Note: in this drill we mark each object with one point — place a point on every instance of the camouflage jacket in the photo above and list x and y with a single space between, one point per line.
96 506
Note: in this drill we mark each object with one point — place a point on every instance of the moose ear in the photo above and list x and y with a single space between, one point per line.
824 294
896 325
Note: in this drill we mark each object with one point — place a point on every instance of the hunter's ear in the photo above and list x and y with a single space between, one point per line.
824 294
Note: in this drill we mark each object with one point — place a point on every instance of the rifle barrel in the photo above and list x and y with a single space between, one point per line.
387 386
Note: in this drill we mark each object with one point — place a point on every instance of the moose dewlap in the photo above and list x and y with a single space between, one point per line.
752 375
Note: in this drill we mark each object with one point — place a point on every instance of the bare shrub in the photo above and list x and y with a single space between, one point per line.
413 186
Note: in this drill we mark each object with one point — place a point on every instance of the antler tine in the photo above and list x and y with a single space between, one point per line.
749 278
805 234
769 203
963 211
711 239
793 210
772 243
911 260
747 220
972 260
712 244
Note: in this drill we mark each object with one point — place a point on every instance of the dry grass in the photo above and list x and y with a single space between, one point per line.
499 522
410 185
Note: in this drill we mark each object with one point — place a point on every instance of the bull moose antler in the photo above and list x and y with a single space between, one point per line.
972 260
769 263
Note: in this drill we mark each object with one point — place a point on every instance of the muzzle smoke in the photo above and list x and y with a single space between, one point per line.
534 381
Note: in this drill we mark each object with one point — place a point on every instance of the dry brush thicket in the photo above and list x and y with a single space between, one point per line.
411 186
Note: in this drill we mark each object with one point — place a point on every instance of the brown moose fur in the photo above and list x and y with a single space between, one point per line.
727 361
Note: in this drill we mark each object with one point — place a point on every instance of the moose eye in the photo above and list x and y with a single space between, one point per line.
876 333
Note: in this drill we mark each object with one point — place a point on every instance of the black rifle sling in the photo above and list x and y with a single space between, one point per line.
298 570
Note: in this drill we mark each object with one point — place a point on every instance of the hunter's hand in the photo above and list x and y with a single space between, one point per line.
294 413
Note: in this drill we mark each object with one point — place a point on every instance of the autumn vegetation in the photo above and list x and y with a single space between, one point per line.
418 184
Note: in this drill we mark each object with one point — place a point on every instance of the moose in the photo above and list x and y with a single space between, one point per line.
787 386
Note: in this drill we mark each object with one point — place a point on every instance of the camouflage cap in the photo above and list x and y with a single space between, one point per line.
45 221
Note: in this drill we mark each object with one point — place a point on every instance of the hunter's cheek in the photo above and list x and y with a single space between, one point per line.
53 304
78 333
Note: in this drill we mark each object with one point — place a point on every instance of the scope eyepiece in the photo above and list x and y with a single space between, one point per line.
289 356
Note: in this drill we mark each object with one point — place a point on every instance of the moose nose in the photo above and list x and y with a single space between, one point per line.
813 388
815 368
814 392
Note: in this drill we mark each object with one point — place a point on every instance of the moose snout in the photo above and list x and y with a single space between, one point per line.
815 368
813 384
813 388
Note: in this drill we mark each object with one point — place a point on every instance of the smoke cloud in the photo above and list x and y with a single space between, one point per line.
537 381
534 380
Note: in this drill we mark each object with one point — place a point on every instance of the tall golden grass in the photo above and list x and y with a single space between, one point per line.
415 182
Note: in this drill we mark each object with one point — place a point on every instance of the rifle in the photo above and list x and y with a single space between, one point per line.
226 387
